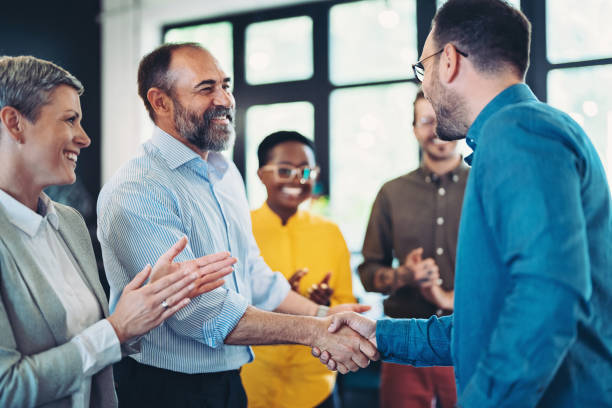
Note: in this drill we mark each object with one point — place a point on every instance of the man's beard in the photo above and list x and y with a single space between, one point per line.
450 109
201 132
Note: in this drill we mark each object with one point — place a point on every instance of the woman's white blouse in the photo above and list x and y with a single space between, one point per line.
94 336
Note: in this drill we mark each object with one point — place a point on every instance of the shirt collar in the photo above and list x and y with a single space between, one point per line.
177 154
24 218
270 217
511 95
454 175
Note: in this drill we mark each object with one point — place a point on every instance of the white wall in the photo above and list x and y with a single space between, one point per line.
130 29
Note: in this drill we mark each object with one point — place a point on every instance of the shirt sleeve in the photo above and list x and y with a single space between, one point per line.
137 223
533 204
98 346
418 342
377 245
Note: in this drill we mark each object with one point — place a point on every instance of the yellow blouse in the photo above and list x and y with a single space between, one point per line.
289 376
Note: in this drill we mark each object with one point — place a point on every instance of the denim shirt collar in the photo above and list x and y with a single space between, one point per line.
177 154
511 95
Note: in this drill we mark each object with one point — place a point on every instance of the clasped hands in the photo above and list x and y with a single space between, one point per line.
347 342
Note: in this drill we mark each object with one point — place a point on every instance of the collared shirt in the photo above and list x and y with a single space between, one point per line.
96 339
533 289
167 192
305 241
419 209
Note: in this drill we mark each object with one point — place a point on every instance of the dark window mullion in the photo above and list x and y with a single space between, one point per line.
322 90
240 88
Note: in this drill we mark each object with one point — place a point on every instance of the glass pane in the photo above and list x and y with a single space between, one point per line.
589 104
279 50
215 37
578 30
371 141
513 3
261 120
383 51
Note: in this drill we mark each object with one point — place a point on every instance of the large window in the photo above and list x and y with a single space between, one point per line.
579 58
339 72
317 70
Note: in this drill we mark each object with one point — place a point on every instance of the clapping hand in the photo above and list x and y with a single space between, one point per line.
295 279
420 272
210 268
320 293
142 308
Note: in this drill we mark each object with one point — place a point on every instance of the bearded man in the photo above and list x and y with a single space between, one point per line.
180 185
533 288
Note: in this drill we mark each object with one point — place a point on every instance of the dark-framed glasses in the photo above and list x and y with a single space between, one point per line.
419 69
287 172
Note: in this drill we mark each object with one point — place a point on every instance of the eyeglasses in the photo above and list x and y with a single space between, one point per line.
419 69
425 121
287 172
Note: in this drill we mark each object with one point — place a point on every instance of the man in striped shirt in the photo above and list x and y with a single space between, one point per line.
181 185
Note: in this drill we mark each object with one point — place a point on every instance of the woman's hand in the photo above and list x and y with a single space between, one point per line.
210 268
295 279
320 293
142 308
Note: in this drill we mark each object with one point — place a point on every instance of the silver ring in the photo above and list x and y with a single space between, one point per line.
165 304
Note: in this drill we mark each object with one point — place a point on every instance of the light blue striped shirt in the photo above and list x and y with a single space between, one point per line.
168 191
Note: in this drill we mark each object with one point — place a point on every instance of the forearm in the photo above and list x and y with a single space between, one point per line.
296 304
535 328
376 275
257 327
28 381
417 342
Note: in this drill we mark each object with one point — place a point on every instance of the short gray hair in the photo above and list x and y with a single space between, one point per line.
26 83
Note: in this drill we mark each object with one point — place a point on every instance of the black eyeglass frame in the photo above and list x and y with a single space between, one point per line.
419 70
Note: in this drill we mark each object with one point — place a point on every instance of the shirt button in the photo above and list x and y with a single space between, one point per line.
442 191
428 179
440 220
455 178
440 251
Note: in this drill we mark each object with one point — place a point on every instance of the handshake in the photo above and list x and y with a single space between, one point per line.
348 343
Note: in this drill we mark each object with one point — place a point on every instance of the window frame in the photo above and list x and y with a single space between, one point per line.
318 88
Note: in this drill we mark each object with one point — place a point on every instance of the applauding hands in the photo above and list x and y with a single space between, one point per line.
171 285
319 293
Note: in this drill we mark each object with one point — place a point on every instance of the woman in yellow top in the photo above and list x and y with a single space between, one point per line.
293 240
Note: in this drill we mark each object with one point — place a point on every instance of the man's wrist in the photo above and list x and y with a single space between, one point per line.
403 276
322 311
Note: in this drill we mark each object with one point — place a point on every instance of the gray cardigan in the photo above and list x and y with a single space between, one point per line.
38 364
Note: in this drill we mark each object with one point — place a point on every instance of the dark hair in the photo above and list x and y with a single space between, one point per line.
276 138
419 95
26 83
493 33
153 71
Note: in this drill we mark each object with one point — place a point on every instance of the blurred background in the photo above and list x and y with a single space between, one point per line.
337 71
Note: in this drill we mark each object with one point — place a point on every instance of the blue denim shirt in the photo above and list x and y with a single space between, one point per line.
533 285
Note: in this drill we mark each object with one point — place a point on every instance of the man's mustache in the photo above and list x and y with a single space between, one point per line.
219 111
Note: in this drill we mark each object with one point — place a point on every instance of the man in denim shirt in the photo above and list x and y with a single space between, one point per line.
533 284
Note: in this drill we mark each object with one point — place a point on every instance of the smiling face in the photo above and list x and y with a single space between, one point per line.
52 144
203 102
424 130
288 194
